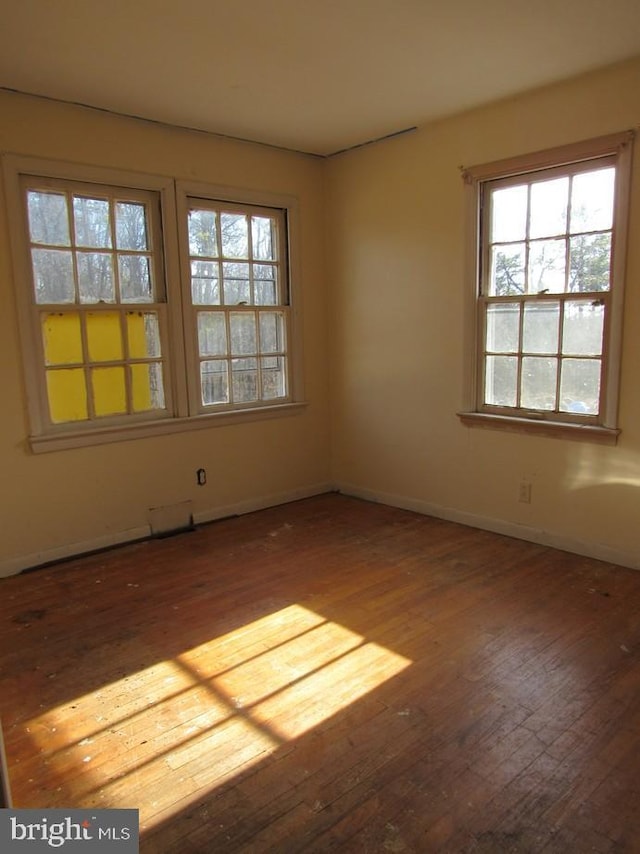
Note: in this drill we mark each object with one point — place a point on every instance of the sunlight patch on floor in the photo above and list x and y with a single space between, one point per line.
161 738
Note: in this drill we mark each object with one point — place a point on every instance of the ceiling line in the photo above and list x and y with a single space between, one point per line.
383 138
170 125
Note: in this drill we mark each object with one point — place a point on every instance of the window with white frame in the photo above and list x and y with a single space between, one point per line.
98 299
145 307
548 281
239 303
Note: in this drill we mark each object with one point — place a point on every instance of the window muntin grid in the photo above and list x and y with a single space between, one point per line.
239 297
98 290
545 290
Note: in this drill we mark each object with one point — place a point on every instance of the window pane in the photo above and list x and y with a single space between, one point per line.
62 339
91 217
147 389
67 395
135 278
509 214
95 277
580 386
202 233
273 376
214 382
540 327
242 327
271 332
503 327
53 276
104 336
156 385
205 283
212 334
501 378
592 200
131 226
507 270
143 335
539 383
48 218
262 237
547 264
264 284
236 284
590 262
583 329
109 395
234 229
244 375
549 201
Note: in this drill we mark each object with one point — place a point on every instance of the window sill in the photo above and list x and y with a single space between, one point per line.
553 429
82 438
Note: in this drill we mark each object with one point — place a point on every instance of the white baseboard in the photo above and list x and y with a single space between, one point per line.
13 566
252 504
598 551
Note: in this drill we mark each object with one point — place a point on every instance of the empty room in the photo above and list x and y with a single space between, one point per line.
320 449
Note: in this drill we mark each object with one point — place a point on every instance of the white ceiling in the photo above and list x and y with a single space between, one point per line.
313 75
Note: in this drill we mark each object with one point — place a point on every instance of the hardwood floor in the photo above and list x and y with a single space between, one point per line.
331 675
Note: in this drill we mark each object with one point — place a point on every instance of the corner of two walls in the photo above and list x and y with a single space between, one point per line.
382 275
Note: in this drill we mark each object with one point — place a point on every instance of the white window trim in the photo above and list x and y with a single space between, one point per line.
173 195
186 190
470 414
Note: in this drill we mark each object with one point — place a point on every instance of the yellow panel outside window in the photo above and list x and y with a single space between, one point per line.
143 334
67 395
109 393
104 336
135 336
62 339
141 388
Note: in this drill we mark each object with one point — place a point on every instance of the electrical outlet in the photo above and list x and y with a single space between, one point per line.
201 477
524 492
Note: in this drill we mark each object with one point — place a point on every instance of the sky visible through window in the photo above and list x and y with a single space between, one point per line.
548 254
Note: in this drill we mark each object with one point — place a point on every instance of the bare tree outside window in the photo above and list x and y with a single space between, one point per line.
236 274
545 289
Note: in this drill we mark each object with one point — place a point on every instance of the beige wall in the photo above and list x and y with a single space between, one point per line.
56 503
396 232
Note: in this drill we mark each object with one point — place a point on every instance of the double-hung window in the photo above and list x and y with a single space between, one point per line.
239 303
548 277
99 300
145 306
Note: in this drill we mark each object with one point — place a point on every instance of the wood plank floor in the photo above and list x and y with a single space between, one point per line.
331 675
